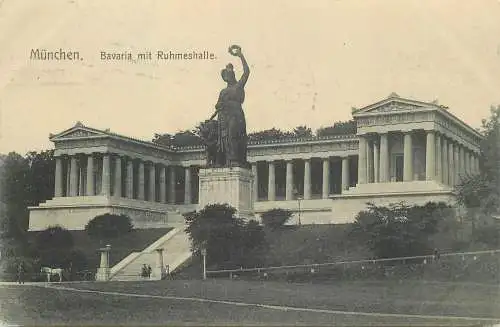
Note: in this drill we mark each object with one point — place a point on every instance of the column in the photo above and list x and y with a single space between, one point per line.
472 163
384 158
152 182
171 185
326 178
117 187
456 159
408 158
445 163
369 165
307 179
130 179
345 173
141 186
430 159
461 158
58 184
255 182
289 180
476 164
376 155
81 188
451 163
106 175
159 271
68 176
73 182
187 185
467 162
90 175
439 159
163 184
362 160
271 182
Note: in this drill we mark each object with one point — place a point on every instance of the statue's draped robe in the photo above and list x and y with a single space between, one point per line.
232 125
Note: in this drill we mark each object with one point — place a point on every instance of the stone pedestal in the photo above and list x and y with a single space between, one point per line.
232 186
103 271
159 270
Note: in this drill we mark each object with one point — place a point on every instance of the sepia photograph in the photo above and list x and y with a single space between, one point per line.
250 163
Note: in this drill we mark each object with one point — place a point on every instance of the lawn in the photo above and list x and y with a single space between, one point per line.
30 305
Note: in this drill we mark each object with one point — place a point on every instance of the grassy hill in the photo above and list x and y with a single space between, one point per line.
312 244
135 241
294 245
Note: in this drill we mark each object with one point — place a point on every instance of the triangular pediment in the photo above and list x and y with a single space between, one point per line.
394 103
77 131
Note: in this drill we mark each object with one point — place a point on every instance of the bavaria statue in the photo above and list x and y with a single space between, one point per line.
226 137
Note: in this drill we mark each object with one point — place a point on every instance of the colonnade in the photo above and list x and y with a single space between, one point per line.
120 176
291 191
446 160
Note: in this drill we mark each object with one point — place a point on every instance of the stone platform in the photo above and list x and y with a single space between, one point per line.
74 213
233 185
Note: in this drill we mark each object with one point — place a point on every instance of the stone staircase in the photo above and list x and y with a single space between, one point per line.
176 250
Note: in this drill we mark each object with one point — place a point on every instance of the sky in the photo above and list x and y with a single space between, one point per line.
311 62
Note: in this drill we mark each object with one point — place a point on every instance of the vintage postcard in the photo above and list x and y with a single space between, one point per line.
250 163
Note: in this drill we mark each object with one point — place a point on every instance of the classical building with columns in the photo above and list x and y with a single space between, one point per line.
403 150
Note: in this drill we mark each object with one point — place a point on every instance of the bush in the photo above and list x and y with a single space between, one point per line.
54 238
9 268
399 230
230 241
52 247
275 218
108 226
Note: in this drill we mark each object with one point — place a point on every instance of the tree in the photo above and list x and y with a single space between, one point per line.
398 229
163 139
15 195
54 246
302 132
254 244
24 181
179 139
40 181
275 218
490 151
108 226
269 135
338 128
480 194
230 242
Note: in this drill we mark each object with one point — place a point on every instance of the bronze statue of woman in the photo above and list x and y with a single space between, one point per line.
232 136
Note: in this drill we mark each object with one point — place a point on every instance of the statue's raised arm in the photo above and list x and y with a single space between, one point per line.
235 50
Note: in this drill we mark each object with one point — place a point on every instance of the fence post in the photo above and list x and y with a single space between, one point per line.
204 254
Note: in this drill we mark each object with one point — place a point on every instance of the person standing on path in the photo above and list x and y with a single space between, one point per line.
20 273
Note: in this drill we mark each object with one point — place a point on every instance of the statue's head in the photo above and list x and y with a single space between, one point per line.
228 74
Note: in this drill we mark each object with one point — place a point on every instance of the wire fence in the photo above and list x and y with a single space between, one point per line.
483 266
30 276
473 266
